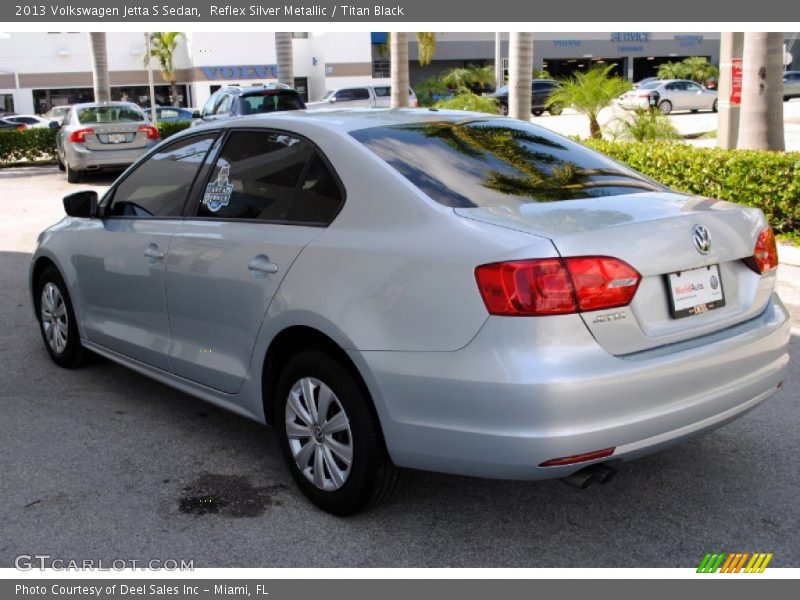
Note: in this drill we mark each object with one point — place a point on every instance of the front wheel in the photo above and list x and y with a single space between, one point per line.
537 112
555 109
715 106
57 321
330 437
665 107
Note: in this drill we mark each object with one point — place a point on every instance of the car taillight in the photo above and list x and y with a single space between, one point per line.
152 132
556 286
765 255
643 94
79 135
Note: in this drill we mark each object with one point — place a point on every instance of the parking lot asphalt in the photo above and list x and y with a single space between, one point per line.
103 463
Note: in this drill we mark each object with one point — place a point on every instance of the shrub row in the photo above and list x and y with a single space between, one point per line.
767 180
32 145
27 146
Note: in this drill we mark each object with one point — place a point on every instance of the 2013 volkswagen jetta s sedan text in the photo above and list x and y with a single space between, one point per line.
443 291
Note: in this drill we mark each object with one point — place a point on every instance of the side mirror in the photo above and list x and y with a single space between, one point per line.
54 125
81 204
196 114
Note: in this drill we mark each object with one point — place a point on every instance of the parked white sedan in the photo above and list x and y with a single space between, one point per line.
670 95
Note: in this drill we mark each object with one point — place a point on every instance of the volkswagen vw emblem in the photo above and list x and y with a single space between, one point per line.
701 239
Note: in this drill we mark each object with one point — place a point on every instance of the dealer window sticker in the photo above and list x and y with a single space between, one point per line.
218 192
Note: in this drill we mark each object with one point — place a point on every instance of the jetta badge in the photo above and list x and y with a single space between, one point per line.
701 239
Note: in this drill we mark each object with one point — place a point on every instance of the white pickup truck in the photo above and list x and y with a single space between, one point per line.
369 96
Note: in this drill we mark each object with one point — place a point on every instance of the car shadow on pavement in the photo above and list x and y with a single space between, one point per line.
104 462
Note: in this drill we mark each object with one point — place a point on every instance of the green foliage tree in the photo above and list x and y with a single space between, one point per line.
468 79
471 102
162 47
696 68
590 92
643 125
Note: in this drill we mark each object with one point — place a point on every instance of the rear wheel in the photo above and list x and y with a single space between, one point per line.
665 107
57 321
73 176
537 112
330 437
715 106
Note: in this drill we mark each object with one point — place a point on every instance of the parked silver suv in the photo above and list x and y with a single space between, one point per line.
104 135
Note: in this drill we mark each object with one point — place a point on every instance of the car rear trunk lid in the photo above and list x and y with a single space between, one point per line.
652 232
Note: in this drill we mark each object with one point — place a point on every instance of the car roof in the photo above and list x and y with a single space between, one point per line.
110 103
351 119
255 88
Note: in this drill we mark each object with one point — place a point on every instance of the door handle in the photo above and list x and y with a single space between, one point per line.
261 265
153 253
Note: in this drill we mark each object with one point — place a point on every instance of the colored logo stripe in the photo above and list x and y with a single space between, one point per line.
734 562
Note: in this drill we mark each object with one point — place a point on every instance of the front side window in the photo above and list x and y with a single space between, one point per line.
693 87
224 106
344 95
159 186
255 176
208 109
94 115
383 91
496 163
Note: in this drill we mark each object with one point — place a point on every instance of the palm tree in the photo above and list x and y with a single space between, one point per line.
398 51
670 70
162 47
283 52
591 92
102 89
426 42
520 70
699 69
468 79
761 115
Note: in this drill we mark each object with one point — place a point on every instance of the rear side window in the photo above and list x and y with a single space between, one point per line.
273 177
158 187
496 163
255 176
109 114
269 102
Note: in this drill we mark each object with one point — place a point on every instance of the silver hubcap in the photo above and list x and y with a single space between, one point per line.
319 434
54 317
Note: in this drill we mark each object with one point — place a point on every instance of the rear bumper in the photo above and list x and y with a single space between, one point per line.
81 159
523 393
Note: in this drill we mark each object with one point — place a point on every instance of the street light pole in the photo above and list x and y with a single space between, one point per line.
150 78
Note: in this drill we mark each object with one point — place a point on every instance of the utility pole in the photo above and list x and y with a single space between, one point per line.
150 78
730 88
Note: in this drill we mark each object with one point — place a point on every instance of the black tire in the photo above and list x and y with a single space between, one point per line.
504 110
715 106
694 110
72 355
665 106
73 176
61 166
537 112
372 476
555 109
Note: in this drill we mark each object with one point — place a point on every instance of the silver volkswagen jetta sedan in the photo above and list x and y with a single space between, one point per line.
435 290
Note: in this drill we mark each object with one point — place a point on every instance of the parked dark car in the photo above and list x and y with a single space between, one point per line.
235 101
541 90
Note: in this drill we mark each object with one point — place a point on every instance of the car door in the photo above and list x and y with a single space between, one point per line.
232 251
696 97
120 259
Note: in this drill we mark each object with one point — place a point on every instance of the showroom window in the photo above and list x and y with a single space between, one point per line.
159 186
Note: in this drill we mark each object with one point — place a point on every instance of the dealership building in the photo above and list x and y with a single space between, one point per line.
41 70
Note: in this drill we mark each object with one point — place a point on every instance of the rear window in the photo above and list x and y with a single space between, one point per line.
109 114
495 163
267 102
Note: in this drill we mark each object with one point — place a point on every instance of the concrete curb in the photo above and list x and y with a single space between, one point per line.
789 255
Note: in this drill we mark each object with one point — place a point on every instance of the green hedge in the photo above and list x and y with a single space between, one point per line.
32 145
767 180
28 145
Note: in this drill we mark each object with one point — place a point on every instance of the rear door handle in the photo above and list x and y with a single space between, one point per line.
153 253
261 265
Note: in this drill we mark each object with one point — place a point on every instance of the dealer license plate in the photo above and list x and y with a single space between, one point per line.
695 292
116 138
